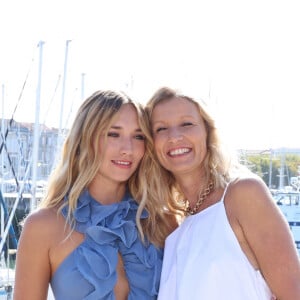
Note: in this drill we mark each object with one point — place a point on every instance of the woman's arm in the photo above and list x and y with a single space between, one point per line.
268 236
32 263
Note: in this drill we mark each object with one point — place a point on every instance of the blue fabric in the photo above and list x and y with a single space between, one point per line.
89 272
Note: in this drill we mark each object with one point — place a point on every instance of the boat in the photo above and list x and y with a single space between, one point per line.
7 277
289 203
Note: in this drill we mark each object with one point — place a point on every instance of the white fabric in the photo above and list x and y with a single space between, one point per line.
203 260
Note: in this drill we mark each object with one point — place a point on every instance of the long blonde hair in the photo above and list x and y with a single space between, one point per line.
80 156
217 163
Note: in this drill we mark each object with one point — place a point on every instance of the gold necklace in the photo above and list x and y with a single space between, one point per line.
202 197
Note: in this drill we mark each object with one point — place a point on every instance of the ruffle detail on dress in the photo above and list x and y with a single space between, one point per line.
110 229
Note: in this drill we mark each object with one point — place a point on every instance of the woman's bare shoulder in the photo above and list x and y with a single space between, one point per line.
247 180
248 187
248 194
44 219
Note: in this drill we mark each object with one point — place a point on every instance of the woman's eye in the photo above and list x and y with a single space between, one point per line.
187 124
140 137
113 134
160 129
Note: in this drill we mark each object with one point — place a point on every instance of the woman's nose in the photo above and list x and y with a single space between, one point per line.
126 147
174 135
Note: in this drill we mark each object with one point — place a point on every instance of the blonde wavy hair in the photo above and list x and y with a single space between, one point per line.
218 164
80 158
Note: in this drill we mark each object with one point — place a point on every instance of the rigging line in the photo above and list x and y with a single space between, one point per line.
10 160
23 162
14 173
20 147
71 109
10 163
17 104
6 215
49 106
52 98
13 170
13 210
64 130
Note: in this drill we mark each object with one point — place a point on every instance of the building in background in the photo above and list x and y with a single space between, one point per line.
16 155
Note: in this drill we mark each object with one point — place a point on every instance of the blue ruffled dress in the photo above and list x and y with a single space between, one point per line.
89 272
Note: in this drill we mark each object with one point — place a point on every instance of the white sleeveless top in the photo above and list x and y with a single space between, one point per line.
203 260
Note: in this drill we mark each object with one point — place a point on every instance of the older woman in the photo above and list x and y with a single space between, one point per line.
233 243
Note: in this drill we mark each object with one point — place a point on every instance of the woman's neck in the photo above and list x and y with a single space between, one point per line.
191 186
107 192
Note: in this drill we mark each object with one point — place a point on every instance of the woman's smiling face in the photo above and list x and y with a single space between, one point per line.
124 147
179 136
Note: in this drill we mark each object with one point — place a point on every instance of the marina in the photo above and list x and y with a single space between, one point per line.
287 200
289 204
17 202
28 154
242 59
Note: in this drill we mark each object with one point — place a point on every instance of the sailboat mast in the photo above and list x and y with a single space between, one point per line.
60 129
82 86
35 152
63 93
270 168
281 170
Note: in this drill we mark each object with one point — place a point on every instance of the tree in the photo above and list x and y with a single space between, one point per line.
264 164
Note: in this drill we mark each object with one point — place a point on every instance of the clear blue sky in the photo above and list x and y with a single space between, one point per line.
242 57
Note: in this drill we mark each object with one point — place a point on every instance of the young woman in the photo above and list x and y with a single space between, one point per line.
233 243
90 239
